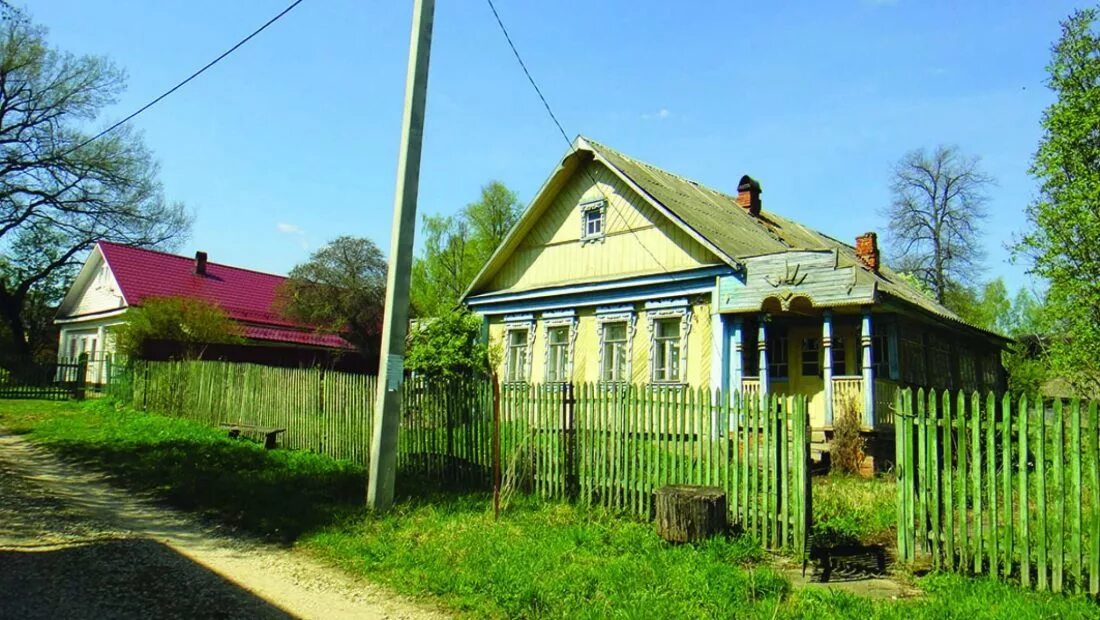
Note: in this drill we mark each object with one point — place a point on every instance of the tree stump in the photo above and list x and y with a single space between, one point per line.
687 513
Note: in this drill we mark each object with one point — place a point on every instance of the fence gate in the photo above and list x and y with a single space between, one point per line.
51 380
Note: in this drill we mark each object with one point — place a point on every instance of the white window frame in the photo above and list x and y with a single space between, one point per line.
589 207
515 324
668 309
604 316
558 320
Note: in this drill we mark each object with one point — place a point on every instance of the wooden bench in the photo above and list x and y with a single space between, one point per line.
269 433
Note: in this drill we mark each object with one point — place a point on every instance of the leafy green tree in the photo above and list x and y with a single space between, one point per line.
448 346
937 209
340 289
59 196
457 247
193 323
1062 242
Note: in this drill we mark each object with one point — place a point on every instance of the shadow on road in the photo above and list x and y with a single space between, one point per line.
118 578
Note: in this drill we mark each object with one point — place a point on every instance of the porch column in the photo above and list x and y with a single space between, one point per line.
736 345
868 372
719 354
762 347
827 363
100 354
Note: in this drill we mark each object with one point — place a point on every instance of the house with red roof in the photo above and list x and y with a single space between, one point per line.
116 277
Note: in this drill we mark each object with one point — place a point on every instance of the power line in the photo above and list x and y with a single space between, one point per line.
184 82
572 147
530 79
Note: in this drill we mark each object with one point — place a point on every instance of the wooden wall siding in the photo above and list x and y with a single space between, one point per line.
1002 487
586 348
100 294
551 252
791 274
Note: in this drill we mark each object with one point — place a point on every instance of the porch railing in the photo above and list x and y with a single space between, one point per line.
847 390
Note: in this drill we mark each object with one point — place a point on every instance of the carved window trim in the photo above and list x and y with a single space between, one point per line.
616 315
668 309
513 324
552 320
599 206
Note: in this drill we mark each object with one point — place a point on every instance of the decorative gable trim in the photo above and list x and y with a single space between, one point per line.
570 163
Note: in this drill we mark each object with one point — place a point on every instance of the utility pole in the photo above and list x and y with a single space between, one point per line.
387 408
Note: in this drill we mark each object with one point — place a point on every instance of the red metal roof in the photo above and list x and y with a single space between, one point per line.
246 296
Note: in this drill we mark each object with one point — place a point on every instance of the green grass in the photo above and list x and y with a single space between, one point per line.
854 510
275 494
539 560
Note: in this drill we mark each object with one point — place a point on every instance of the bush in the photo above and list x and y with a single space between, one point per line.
846 453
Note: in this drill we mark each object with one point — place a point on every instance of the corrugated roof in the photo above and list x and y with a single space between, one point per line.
717 217
246 296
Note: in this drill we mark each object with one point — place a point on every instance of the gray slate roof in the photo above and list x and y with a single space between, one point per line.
717 217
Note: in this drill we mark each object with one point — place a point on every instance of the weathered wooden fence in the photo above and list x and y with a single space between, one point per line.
616 446
998 486
600 445
326 412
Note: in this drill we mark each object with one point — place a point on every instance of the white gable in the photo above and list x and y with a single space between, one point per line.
95 290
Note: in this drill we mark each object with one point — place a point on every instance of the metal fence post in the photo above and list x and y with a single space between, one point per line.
80 388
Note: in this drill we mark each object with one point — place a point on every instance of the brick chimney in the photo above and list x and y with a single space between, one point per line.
748 195
200 263
867 250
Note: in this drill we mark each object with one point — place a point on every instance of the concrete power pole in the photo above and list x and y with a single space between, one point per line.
387 409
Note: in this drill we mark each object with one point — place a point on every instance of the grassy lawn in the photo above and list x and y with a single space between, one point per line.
851 510
540 559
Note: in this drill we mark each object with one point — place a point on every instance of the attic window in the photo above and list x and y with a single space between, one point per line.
593 220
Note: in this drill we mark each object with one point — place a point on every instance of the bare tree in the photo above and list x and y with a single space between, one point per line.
59 194
935 218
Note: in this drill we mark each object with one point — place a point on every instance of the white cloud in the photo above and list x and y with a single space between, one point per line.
288 229
659 115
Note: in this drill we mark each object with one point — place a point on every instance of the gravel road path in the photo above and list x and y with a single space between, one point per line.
72 546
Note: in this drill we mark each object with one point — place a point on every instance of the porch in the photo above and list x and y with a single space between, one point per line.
831 357
846 389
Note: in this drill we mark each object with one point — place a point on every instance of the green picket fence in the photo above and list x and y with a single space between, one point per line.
616 446
609 446
1001 486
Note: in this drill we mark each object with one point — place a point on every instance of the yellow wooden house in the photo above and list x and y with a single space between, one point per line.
621 272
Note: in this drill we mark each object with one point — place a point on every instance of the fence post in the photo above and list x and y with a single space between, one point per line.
496 445
80 389
569 442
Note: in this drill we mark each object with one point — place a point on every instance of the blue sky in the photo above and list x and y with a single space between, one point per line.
292 140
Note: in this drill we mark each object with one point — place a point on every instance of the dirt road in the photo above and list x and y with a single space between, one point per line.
72 546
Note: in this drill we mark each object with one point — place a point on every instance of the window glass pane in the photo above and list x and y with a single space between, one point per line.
516 358
614 352
668 328
666 358
810 357
778 355
593 222
557 353
839 359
